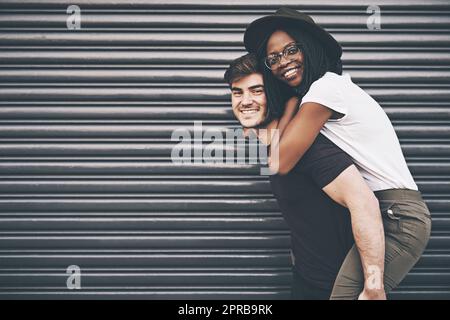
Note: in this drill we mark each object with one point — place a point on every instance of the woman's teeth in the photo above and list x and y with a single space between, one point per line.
290 73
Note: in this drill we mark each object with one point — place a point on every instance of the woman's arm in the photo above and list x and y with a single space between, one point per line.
267 137
298 136
289 112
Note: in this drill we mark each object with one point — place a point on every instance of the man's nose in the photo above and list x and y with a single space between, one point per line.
246 100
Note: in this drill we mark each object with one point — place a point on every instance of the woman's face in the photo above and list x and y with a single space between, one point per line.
289 68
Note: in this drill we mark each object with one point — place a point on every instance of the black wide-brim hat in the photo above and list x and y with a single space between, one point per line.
259 30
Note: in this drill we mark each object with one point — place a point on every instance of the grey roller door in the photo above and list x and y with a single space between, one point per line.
86 118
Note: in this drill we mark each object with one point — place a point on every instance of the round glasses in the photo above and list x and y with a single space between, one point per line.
273 60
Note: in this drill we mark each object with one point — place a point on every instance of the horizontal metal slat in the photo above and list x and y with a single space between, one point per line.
434 259
169 204
265 240
196 92
139 224
268 258
428 278
103 77
193 112
165 132
142 167
420 294
209 37
202 57
160 186
175 111
206 4
117 225
204 293
114 280
236 204
349 19
150 149
123 167
139 186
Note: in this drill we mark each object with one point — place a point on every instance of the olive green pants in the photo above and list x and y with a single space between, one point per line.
407 226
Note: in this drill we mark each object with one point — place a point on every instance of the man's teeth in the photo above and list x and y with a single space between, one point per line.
290 73
249 111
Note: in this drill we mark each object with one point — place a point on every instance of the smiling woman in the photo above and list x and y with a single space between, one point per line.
285 58
293 60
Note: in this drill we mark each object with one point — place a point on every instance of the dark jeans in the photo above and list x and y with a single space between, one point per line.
303 290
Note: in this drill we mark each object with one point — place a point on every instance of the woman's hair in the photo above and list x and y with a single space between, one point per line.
316 63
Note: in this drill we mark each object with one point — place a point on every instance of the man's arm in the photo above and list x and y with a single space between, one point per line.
350 190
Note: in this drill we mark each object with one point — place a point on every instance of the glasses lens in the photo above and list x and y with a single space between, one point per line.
271 61
290 51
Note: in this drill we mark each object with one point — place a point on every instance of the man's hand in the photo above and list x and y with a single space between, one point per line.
351 190
372 294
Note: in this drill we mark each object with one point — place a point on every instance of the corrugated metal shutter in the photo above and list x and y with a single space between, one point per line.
85 123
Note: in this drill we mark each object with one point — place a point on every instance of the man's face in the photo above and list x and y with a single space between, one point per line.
290 67
248 100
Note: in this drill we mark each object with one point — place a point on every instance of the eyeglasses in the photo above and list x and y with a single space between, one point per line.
272 60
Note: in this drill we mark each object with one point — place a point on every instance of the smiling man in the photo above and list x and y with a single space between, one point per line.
320 228
249 100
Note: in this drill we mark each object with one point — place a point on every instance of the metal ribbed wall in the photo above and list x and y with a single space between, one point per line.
85 123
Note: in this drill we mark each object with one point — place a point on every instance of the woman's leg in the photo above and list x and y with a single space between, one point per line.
407 226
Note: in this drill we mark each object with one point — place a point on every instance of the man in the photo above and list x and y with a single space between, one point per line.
321 228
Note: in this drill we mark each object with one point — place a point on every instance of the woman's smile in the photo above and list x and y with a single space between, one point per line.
292 74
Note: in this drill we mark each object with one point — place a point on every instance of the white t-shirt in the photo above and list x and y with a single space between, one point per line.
365 132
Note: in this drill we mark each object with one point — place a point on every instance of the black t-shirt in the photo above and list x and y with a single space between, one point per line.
321 232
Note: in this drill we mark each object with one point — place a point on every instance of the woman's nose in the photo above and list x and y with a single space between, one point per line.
284 61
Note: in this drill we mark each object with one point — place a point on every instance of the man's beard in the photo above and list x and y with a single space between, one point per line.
262 124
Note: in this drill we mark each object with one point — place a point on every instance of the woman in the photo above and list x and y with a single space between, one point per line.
302 59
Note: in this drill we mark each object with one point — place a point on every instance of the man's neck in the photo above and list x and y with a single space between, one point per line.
266 133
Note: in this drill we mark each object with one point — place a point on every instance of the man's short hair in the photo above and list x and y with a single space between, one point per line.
241 67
